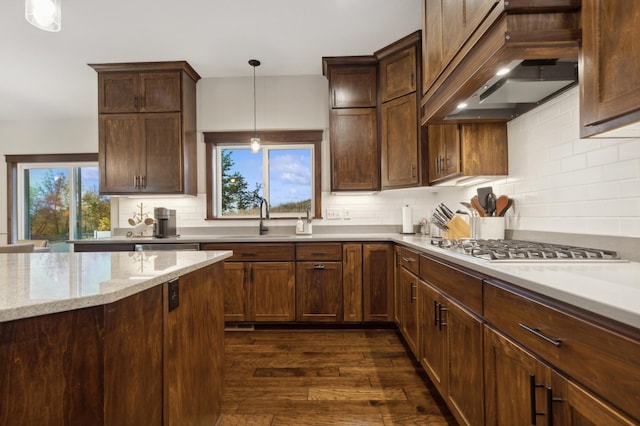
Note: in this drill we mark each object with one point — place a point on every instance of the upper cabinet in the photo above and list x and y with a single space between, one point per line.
147 128
399 128
467 41
609 77
353 123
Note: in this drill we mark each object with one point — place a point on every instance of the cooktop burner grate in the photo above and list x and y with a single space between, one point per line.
498 250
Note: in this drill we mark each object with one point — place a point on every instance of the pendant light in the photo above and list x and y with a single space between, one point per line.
44 14
255 140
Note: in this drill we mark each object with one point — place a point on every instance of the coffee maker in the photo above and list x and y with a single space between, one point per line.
165 224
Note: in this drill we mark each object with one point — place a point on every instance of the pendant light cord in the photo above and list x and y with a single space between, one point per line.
255 131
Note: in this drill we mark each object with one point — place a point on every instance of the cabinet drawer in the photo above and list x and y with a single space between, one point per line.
604 360
255 252
319 251
410 260
460 285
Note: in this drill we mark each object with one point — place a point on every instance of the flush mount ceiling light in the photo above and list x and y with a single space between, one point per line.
255 140
44 14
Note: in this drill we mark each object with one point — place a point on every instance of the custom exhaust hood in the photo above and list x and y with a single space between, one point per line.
522 86
539 46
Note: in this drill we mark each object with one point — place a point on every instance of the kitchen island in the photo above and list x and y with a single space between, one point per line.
111 338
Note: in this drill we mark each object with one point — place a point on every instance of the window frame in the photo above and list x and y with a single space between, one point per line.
270 137
13 163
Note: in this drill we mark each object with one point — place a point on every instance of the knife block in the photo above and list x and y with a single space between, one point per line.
458 228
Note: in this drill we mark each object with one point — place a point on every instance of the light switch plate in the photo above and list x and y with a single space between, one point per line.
333 214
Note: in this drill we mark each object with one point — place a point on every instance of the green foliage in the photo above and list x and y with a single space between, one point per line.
49 206
236 196
96 212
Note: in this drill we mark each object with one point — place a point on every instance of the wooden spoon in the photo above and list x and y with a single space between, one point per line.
501 203
501 212
475 203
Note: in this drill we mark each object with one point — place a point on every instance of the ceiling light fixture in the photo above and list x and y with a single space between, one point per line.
44 14
255 140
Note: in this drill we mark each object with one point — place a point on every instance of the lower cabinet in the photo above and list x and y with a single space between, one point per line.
259 291
377 282
319 291
409 309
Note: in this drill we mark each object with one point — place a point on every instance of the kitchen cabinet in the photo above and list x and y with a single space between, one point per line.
609 81
451 341
467 150
355 155
259 283
353 124
408 291
399 130
124 92
352 282
378 282
599 356
147 128
397 285
319 291
131 361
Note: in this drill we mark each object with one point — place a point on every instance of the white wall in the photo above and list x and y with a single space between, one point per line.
560 182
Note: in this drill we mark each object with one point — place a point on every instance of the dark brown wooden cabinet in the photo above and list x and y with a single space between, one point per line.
353 124
124 92
127 362
352 290
399 130
319 294
259 284
147 128
397 285
467 150
378 282
355 155
451 342
609 78
408 292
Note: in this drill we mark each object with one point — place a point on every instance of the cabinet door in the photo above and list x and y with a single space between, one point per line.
160 92
410 310
444 151
353 86
515 383
378 282
465 379
398 74
163 165
352 282
482 150
236 292
399 142
432 337
397 286
273 291
117 92
319 291
609 78
355 156
576 406
119 153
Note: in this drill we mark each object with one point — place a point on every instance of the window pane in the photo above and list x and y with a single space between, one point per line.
47 205
94 210
290 180
241 181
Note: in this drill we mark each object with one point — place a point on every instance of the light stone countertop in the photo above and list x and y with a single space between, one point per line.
33 284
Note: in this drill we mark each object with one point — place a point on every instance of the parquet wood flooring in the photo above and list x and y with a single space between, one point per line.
326 377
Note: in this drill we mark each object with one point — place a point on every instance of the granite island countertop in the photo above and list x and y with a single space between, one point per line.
610 289
33 284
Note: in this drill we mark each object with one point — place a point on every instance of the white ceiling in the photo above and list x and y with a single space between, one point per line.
45 75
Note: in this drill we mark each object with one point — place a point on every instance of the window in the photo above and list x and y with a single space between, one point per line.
56 200
286 172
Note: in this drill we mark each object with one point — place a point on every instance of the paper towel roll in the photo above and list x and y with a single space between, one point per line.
407 220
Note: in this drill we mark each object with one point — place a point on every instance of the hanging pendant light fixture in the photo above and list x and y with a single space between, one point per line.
44 14
255 140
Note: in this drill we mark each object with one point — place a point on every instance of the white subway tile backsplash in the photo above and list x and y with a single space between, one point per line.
605 155
622 170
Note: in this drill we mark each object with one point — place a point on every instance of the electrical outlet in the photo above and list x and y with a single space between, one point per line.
333 214
345 214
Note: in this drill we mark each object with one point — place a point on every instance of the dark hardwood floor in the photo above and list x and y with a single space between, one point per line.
326 377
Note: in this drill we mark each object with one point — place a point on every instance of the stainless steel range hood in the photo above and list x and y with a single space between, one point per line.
526 85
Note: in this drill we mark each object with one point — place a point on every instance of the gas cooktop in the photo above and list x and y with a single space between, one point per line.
518 250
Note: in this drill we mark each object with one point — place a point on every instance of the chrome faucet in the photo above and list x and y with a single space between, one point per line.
264 229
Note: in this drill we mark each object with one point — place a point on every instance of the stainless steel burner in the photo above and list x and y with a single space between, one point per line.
517 250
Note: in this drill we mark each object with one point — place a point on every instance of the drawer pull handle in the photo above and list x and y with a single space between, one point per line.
408 259
537 332
532 398
248 253
319 253
318 266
